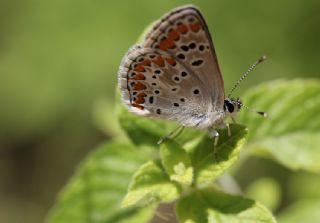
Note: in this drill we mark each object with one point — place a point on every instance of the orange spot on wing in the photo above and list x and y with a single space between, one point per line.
138 106
171 61
146 63
195 27
159 61
138 76
139 100
166 44
163 45
140 68
139 86
182 28
171 44
173 35
141 95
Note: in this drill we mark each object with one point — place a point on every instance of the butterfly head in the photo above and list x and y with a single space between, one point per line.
232 106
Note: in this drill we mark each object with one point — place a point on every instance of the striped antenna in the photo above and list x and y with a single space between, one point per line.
261 59
264 114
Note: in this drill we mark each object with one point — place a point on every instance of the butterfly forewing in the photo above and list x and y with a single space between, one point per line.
184 34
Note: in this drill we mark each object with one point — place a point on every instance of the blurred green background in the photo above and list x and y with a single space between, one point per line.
58 73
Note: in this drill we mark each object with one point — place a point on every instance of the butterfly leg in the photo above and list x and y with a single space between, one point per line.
229 130
175 133
215 135
227 126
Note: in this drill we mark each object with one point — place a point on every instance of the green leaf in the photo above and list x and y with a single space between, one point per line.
94 193
291 132
176 162
299 150
208 205
306 211
151 184
210 162
265 190
303 185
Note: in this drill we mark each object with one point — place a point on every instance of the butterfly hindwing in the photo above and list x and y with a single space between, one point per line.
154 84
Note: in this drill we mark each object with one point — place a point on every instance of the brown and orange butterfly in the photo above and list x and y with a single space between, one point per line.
174 74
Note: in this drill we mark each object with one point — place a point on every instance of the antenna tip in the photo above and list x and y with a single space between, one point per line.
262 58
264 114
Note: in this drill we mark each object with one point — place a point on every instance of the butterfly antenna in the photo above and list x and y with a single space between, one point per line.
264 114
261 59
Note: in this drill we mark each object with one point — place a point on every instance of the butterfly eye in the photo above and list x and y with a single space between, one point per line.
228 106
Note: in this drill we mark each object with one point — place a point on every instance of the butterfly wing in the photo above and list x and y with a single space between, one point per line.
156 81
184 34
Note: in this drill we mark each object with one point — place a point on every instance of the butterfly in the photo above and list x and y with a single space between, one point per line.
174 74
